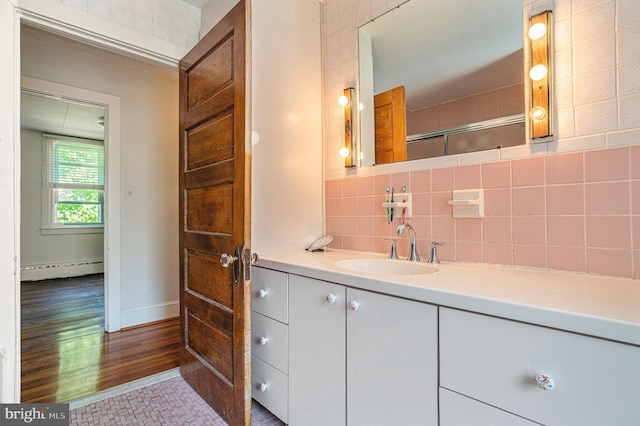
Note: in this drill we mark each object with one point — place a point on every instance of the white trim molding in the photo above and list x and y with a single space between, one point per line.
150 313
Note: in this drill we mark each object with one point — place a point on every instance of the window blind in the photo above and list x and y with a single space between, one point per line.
73 163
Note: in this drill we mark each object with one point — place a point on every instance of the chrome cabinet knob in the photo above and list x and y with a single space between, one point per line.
263 387
354 306
262 293
331 298
545 382
263 340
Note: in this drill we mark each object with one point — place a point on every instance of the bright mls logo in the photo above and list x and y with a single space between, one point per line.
34 414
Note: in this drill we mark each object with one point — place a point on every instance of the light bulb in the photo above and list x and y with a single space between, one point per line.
538 72
537 31
343 100
538 113
344 152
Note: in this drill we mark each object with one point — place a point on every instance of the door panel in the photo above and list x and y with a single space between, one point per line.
214 219
390 126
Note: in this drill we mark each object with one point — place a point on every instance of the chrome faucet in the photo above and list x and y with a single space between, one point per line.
413 251
393 253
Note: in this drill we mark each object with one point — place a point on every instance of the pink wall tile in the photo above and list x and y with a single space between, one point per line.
365 244
421 181
528 200
442 179
636 263
635 161
349 242
334 225
567 258
497 202
349 206
364 206
333 207
337 242
530 223
467 251
635 226
529 230
380 184
497 229
365 226
499 254
610 262
608 232
440 203
606 164
526 255
421 203
468 229
349 188
564 168
565 199
635 197
468 177
528 171
364 185
398 180
333 188
565 231
607 198
443 228
496 175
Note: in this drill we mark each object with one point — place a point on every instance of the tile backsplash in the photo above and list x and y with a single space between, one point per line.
575 212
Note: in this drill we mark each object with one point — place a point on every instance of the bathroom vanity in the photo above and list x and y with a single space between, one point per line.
466 343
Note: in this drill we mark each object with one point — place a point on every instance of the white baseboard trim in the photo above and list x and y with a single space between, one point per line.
150 313
61 270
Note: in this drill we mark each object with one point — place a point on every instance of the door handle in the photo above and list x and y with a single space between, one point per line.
226 260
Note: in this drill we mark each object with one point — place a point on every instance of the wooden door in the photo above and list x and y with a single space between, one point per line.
390 126
215 219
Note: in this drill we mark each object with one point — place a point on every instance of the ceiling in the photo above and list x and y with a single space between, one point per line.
61 116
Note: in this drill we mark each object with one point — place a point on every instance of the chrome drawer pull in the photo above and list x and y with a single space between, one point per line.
544 381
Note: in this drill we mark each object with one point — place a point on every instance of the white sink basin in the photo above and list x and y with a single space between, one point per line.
386 266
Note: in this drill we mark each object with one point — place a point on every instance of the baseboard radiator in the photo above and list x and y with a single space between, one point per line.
61 270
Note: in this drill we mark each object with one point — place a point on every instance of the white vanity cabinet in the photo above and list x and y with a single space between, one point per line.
495 361
384 348
270 341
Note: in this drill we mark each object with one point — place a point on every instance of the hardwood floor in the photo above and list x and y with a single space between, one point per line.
67 355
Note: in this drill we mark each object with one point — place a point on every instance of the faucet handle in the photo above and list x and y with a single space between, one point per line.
433 258
393 253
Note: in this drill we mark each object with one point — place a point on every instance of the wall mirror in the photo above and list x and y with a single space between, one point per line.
459 67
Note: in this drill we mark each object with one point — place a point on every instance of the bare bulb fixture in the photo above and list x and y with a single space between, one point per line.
537 31
343 100
538 113
344 152
538 72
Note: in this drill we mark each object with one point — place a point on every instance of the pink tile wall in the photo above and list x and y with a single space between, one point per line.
485 106
575 212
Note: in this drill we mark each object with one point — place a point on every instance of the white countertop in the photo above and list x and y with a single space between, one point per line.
606 307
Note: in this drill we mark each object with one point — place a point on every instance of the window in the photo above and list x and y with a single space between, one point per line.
73 182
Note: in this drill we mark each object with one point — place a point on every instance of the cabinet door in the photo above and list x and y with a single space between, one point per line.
458 410
316 352
392 361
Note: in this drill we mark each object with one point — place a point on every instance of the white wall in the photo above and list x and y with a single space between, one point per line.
287 118
37 249
148 164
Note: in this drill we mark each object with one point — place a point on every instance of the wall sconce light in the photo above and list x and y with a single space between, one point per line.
541 74
348 150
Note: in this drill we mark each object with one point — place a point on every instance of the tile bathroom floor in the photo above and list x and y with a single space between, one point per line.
171 402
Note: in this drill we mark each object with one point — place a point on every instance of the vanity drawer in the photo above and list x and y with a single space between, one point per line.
270 387
270 341
458 410
269 294
495 361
